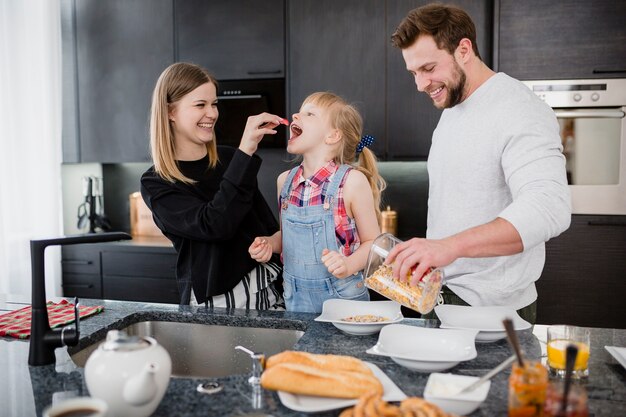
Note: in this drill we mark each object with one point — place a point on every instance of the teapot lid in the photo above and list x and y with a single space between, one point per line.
118 340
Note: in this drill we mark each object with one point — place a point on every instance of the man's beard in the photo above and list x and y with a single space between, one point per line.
455 91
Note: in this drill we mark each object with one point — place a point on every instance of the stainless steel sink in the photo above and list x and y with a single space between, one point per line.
205 350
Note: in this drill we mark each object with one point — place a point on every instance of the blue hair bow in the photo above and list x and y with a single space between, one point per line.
366 140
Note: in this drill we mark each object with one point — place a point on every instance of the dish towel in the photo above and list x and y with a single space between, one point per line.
17 323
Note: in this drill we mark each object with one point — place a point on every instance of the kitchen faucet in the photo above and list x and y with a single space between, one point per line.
43 339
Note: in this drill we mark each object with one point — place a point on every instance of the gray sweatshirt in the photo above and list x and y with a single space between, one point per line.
498 154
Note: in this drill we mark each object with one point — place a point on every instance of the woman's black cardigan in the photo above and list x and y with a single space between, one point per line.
212 222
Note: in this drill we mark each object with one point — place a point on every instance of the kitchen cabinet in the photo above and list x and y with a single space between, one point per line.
358 62
120 48
120 271
339 46
584 279
81 271
567 39
139 276
233 39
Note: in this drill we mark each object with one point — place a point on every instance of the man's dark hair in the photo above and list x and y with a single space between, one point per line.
446 24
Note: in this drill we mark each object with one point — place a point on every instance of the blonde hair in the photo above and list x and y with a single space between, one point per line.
346 118
173 84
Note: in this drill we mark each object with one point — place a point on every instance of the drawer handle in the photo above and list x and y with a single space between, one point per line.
73 262
264 72
605 223
78 285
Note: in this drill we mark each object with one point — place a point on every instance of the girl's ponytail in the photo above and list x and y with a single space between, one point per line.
368 165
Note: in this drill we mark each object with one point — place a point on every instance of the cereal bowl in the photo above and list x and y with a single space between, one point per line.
360 318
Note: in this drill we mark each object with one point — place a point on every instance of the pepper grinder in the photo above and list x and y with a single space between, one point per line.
389 221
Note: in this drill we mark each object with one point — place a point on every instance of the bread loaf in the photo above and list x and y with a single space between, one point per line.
311 380
324 362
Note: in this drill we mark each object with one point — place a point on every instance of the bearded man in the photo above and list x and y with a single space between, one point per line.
497 182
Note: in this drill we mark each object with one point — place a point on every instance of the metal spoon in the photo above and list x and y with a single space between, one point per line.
488 375
512 337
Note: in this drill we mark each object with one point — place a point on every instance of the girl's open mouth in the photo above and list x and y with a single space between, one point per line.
295 132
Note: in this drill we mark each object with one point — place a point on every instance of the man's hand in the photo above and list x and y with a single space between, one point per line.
420 254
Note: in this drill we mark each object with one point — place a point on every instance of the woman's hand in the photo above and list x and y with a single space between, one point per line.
261 249
335 263
257 127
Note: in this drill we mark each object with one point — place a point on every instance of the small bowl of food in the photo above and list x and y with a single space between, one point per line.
360 318
444 390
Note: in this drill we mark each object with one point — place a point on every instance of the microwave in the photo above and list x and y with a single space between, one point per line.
239 99
592 125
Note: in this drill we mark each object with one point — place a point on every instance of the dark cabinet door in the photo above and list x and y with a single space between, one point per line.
583 282
568 39
233 39
121 48
339 46
411 116
139 275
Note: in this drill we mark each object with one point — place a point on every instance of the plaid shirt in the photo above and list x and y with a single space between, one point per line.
312 192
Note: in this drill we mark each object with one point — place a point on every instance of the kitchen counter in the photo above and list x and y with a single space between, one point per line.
26 391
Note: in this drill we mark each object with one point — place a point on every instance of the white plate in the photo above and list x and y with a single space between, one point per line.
310 404
619 353
425 350
487 320
336 310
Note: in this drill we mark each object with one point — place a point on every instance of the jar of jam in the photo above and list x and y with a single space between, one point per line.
576 401
527 389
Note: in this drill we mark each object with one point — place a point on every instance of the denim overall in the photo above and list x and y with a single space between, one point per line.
306 232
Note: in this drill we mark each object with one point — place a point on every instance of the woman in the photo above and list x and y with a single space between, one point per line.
205 198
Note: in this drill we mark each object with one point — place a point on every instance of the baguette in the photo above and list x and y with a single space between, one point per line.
323 362
308 380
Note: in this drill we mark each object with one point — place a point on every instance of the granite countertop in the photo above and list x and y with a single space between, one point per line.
26 390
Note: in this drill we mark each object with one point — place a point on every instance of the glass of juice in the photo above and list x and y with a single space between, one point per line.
527 389
558 338
576 401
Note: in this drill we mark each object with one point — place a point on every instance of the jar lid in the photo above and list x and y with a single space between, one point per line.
118 340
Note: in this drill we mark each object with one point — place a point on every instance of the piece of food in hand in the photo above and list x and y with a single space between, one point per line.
308 380
319 361
284 121
365 318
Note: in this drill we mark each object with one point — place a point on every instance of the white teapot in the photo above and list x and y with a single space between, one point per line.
130 373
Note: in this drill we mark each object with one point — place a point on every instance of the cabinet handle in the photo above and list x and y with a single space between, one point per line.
72 262
78 285
609 71
606 223
270 72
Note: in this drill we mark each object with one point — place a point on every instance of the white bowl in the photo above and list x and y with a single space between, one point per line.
336 310
443 390
487 320
425 350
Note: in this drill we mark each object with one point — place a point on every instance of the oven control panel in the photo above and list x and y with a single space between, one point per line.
580 93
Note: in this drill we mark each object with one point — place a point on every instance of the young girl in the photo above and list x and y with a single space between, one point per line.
329 206
205 197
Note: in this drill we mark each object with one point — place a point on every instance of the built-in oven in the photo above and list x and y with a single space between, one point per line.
239 99
593 132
